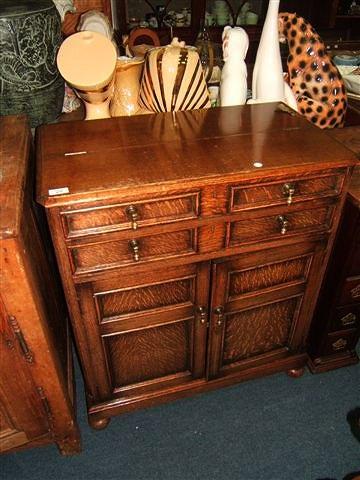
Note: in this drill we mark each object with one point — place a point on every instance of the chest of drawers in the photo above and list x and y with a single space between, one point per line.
336 327
37 393
191 246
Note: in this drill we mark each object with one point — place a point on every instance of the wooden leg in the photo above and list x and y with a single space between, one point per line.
296 372
69 446
99 424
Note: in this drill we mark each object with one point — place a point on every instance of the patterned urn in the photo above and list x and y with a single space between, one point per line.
30 35
173 79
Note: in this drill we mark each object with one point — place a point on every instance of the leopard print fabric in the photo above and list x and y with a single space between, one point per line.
316 82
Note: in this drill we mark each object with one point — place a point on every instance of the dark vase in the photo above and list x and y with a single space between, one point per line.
30 35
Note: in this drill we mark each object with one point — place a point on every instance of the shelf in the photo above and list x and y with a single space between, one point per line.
347 17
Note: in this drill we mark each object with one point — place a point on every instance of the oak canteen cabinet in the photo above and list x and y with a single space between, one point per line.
191 245
36 380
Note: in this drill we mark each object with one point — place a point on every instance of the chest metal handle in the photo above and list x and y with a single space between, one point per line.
339 344
219 311
284 224
203 314
133 216
289 191
135 247
349 319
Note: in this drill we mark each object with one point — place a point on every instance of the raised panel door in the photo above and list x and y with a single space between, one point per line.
259 306
22 415
146 332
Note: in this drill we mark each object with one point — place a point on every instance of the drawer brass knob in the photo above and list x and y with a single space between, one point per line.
219 311
203 314
289 191
284 224
133 216
134 245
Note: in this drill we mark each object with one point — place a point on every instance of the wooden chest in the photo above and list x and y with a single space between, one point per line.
36 380
336 328
191 245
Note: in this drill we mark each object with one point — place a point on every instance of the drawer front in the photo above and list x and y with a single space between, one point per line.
286 192
270 226
130 216
87 258
351 291
340 342
346 317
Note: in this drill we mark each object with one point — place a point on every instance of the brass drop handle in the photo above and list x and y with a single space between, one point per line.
203 314
133 216
284 224
339 344
348 319
134 245
219 311
289 191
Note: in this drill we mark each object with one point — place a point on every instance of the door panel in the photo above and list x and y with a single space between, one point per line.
256 305
258 330
147 354
151 329
22 416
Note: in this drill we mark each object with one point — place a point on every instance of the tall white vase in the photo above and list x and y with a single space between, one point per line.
268 83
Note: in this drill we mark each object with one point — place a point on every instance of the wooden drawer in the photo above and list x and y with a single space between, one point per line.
284 192
338 342
134 215
271 224
346 317
111 253
350 291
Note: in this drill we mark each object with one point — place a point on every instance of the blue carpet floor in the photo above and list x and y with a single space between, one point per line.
272 428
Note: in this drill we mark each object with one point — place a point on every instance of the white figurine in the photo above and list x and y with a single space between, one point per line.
233 84
268 83
96 21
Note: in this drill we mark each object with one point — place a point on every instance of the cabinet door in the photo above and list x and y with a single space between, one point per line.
22 415
146 331
261 305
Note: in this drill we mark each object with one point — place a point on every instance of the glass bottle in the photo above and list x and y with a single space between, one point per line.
205 48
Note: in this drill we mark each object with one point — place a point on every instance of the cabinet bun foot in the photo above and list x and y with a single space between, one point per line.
296 372
70 445
99 424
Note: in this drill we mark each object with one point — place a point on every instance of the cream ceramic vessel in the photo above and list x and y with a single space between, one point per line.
87 61
127 86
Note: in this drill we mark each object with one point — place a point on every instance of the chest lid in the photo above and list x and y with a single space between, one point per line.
80 161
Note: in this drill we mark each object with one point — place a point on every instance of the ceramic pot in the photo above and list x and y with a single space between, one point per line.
30 32
87 61
173 79
127 86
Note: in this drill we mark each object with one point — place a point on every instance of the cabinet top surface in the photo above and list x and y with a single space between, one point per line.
350 137
89 160
14 151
